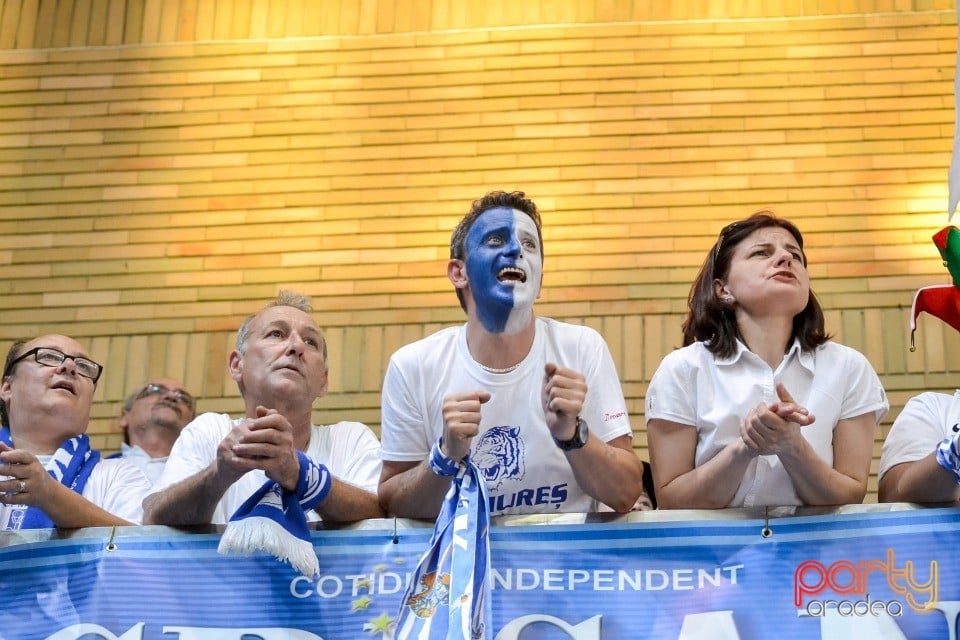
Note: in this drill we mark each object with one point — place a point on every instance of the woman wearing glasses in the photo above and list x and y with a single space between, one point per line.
49 475
760 408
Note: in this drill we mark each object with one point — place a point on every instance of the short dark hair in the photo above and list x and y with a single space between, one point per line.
710 320
8 367
511 200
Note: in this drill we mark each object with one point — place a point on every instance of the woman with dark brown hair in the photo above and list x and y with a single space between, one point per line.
759 407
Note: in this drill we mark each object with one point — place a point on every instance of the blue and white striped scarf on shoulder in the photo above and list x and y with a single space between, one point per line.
71 466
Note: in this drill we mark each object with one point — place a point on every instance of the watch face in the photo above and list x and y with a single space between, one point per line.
579 437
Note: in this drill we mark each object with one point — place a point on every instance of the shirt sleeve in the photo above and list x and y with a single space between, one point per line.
403 431
604 408
118 487
359 452
194 449
672 390
915 433
865 393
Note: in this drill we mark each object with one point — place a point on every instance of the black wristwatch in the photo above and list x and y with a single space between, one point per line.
580 435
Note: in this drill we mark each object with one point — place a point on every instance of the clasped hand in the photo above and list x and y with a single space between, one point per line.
264 442
775 429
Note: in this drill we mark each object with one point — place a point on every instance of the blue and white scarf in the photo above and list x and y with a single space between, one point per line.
71 466
274 519
449 596
948 456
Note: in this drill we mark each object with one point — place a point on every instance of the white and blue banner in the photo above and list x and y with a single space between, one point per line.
893 574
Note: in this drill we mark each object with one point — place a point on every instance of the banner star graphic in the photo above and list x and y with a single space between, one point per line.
364 583
380 625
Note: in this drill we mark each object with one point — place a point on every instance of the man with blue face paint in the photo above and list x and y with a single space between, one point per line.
535 403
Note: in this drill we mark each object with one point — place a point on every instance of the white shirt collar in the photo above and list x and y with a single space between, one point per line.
133 451
805 358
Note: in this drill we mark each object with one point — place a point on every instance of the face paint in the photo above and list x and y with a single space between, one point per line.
504 268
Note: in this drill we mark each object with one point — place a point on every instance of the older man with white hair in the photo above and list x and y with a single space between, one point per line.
218 462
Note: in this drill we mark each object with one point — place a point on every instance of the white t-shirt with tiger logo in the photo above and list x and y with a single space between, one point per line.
525 470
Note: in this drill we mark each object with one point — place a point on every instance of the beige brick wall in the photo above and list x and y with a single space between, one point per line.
165 167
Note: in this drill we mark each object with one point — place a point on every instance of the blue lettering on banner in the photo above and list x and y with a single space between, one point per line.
699 580
710 625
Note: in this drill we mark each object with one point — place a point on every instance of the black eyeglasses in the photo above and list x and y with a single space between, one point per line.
154 389
49 357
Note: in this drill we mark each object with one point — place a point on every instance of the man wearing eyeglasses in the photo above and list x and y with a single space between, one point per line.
49 475
152 418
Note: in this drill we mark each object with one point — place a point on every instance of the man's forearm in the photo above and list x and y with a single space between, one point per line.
188 502
70 510
415 493
348 503
608 473
922 481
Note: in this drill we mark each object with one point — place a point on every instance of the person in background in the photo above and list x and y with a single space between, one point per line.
49 475
759 407
920 461
151 420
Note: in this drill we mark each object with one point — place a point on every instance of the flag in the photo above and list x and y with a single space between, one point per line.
449 595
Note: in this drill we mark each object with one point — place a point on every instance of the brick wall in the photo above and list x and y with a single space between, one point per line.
165 167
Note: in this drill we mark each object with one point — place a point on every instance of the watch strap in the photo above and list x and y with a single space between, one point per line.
580 435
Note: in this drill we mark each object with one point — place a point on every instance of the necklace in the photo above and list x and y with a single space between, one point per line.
495 370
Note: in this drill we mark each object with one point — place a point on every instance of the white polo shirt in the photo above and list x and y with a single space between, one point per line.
692 387
926 419
151 467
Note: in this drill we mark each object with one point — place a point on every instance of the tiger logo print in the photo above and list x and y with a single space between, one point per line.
499 456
